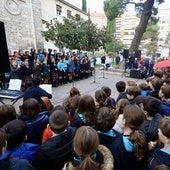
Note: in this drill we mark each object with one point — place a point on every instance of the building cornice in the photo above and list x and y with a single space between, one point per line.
72 6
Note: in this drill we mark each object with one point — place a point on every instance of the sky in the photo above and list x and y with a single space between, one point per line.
97 5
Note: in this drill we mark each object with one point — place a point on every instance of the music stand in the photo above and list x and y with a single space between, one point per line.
103 72
94 77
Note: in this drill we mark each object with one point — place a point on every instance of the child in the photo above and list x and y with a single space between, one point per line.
151 107
162 156
57 150
104 123
129 149
10 163
85 114
120 105
90 155
16 131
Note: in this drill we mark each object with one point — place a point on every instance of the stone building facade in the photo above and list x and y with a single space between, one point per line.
22 21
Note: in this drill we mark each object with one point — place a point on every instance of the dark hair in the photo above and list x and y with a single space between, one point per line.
165 89
152 105
101 98
58 121
140 99
87 107
164 126
105 119
7 113
133 90
74 91
156 83
120 86
107 90
144 86
16 130
85 143
120 105
2 139
158 73
31 107
134 118
36 81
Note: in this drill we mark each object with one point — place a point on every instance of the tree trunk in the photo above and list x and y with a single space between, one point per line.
141 28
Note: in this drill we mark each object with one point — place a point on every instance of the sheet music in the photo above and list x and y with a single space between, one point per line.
14 84
47 87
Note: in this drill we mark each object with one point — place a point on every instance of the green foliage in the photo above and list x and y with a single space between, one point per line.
75 34
113 8
84 8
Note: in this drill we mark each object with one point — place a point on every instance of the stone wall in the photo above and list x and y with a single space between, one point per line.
22 20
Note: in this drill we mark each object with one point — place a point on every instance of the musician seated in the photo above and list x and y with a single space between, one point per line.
36 92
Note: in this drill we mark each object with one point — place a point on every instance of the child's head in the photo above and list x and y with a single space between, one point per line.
101 97
164 92
85 144
156 83
105 119
120 86
130 83
31 107
133 117
3 141
132 92
7 113
151 106
164 129
58 121
74 91
120 105
87 107
144 86
16 131
107 90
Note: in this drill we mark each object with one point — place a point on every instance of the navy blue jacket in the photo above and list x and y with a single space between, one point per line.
35 92
125 160
165 110
150 128
55 152
35 127
159 157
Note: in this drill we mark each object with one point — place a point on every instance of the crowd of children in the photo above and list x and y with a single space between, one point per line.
50 66
131 132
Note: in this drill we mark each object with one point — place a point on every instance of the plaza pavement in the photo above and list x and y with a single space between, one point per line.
86 86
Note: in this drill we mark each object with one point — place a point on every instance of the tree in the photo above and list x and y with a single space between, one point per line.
151 34
75 34
84 8
145 10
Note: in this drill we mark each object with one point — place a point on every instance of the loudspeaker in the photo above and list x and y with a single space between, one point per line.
4 57
125 53
135 74
138 54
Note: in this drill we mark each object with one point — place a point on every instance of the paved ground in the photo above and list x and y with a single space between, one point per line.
87 86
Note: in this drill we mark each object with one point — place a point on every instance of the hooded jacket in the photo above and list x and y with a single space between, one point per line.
55 152
107 161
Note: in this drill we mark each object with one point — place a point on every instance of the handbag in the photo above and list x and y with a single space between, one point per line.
46 103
